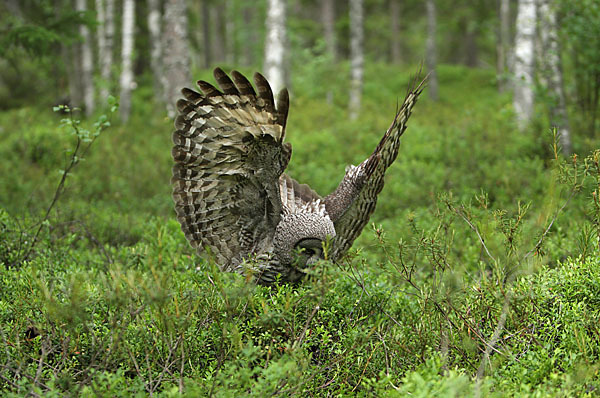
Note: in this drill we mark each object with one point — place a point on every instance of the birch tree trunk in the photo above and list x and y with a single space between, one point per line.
431 51
551 65
176 52
154 26
523 97
275 42
105 51
396 53
126 80
87 64
101 38
356 57
502 45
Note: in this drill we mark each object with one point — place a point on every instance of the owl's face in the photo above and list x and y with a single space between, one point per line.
298 243
307 252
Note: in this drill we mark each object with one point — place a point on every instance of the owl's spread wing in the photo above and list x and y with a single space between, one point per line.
229 155
362 183
295 197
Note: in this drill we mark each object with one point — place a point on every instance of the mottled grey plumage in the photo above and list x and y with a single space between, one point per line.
233 198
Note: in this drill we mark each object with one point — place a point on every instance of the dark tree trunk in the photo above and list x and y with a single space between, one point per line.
431 51
502 45
217 42
206 34
395 50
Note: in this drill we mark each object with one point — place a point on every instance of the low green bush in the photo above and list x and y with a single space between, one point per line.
479 275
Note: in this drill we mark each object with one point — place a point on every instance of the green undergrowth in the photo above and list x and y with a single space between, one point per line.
478 276
151 319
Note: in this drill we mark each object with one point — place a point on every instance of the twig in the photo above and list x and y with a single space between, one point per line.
300 338
74 160
539 242
57 193
365 368
474 228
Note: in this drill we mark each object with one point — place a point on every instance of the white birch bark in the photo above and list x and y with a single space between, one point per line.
356 57
126 80
87 64
551 67
431 51
101 39
105 34
154 27
176 64
275 42
523 97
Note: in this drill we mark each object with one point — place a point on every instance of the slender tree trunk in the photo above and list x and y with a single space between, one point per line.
176 52
106 59
356 56
71 57
126 80
502 45
230 56
472 51
87 64
523 99
275 45
248 44
396 51
101 38
206 36
431 51
217 41
328 21
551 64
154 26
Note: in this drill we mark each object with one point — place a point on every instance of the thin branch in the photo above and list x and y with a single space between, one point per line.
539 242
474 228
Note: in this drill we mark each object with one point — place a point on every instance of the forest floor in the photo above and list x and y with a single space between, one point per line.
479 275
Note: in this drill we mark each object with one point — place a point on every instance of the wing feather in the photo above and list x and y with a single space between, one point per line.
369 178
229 154
295 197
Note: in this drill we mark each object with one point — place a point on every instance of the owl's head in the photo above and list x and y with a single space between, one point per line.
299 238
307 252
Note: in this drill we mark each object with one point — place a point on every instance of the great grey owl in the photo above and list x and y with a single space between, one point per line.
234 200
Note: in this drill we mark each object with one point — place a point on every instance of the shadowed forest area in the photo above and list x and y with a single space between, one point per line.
477 275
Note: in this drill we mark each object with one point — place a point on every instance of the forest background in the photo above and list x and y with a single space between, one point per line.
478 276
